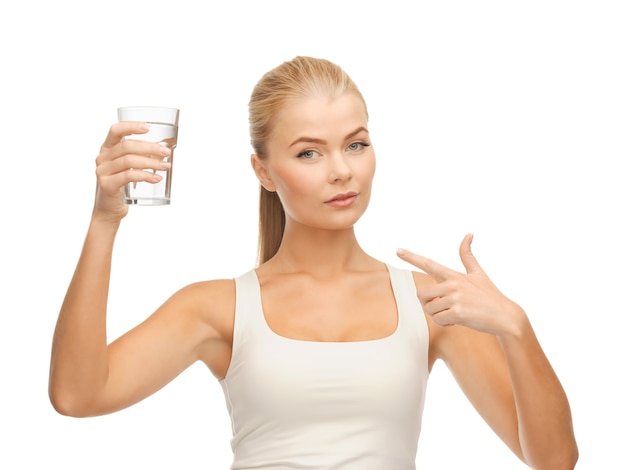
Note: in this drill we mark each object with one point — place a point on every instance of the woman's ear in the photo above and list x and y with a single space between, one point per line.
261 172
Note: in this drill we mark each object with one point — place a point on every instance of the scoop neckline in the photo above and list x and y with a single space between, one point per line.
389 337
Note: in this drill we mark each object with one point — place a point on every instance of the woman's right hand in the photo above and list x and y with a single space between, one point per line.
122 161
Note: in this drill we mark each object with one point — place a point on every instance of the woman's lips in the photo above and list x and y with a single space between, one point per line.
342 200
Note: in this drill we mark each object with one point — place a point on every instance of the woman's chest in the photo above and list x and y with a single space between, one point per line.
331 313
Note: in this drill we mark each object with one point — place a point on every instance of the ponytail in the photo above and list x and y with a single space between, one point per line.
271 224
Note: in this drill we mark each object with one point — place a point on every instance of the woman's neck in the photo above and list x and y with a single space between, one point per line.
322 253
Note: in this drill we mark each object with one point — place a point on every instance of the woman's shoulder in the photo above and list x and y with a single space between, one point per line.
207 290
211 301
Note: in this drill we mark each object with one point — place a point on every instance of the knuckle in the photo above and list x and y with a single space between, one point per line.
454 318
130 175
442 319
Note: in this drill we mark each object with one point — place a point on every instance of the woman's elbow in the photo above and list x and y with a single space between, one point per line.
68 404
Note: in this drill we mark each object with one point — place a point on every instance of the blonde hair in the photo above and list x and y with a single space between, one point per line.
302 77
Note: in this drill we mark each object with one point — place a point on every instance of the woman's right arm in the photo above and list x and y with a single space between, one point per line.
80 369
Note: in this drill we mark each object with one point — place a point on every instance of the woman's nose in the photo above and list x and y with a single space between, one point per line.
339 168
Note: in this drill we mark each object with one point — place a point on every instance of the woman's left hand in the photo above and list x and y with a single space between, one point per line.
469 299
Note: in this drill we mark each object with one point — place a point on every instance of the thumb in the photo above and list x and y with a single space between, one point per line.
467 257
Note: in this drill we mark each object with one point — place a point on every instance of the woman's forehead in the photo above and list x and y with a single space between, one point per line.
321 114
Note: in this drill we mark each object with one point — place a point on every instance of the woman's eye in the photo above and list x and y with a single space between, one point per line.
307 154
357 146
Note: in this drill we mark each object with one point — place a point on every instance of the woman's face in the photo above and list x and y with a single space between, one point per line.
320 161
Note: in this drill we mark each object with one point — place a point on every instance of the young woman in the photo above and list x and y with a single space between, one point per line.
323 352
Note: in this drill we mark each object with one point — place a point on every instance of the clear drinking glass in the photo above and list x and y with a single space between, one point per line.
163 124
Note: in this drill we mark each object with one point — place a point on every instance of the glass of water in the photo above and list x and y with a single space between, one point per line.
163 124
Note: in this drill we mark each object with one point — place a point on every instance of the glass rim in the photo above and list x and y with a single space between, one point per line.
135 108
161 114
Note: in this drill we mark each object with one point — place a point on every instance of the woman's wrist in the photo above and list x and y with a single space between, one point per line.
518 325
104 224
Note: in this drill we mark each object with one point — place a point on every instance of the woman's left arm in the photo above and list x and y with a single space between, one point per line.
497 360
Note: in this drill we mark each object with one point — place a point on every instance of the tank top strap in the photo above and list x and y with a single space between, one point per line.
248 308
411 318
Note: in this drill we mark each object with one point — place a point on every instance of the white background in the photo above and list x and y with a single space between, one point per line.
505 119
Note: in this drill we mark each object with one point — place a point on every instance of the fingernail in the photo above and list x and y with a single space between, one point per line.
144 127
401 251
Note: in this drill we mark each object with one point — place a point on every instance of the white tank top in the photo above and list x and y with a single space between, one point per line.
326 405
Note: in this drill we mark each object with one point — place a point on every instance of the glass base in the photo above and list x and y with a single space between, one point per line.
146 201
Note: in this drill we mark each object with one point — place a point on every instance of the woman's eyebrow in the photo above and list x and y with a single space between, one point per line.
322 141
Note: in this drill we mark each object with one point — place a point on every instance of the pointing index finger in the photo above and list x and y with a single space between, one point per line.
427 265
